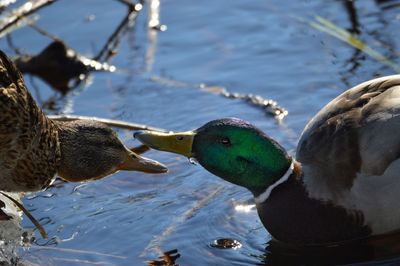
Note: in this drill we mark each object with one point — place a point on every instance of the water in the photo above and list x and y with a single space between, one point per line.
265 48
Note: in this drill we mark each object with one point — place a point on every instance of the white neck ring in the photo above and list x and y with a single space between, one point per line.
264 196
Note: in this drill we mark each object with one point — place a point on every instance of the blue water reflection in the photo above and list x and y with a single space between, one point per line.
258 47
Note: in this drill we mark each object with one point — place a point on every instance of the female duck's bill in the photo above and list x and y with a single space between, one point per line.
143 164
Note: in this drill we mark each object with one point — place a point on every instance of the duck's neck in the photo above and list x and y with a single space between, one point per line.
262 195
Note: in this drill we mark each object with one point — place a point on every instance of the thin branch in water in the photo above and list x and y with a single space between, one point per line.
80 251
82 262
128 3
44 32
167 259
60 66
332 29
154 245
28 214
110 122
113 41
21 12
12 45
269 106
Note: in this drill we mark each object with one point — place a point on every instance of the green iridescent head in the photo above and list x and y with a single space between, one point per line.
230 148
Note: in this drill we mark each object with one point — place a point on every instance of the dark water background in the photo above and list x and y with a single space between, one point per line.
259 47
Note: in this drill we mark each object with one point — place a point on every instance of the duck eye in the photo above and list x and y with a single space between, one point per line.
226 141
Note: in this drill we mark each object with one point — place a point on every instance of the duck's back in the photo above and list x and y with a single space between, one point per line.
29 149
356 134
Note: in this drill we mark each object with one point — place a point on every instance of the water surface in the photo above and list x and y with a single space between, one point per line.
260 47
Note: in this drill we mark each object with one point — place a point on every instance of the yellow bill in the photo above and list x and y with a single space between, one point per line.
180 143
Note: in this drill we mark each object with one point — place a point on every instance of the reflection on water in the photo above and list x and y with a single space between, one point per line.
248 47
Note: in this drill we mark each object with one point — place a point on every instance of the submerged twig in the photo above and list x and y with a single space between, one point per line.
155 244
269 106
110 122
167 259
12 46
21 12
82 262
330 28
58 65
113 41
126 2
28 214
62 67
80 251
44 32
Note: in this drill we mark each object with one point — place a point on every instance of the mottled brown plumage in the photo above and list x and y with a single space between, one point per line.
33 148
29 144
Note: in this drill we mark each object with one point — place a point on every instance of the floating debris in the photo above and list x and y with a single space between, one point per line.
269 106
14 16
226 243
327 26
167 259
58 65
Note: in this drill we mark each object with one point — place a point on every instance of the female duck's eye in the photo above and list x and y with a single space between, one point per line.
226 141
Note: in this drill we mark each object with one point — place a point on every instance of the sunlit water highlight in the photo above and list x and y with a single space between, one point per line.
249 47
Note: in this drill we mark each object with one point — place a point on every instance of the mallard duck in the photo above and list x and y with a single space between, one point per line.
343 184
33 148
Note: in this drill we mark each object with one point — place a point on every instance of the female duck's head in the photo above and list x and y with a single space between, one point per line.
230 148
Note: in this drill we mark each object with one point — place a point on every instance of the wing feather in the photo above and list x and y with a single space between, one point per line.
357 132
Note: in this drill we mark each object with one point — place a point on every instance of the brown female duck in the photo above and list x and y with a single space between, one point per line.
34 148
